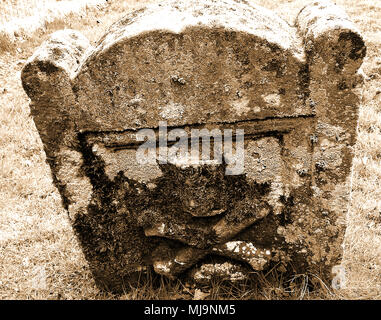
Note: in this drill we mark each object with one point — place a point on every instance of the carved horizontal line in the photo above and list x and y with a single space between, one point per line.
196 125
252 129
189 141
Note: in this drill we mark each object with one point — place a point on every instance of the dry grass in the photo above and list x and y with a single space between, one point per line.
22 19
39 255
12 10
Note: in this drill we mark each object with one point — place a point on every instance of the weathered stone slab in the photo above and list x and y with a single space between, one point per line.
203 65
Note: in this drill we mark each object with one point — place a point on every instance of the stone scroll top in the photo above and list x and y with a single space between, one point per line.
283 98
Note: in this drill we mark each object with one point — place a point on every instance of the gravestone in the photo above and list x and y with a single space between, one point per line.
203 65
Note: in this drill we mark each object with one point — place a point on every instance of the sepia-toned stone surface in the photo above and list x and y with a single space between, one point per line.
203 65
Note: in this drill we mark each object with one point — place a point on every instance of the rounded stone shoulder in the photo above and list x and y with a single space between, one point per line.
59 56
328 32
